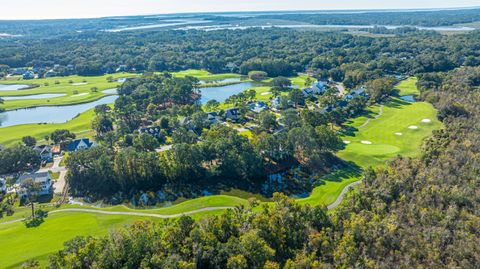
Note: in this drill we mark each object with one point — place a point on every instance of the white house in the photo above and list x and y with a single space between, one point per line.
319 87
42 178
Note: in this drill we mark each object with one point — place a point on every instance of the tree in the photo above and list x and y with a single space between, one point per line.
61 136
290 118
29 141
31 189
257 75
281 82
212 104
380 88
146 143
267 120
297 97
17 159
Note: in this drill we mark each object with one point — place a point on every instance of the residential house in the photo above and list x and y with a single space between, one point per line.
43 179
275 103
212 118
319 87
3 186
28 75
362 91
79 144
308 92
258 107
19 71
45 153
50 73
153 131
232 114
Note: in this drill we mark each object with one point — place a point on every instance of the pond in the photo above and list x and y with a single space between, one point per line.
13 87
226 80
33 96
52 114
223 92
408 98
110 91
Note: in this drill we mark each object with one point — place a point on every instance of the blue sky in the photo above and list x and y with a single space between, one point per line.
42 9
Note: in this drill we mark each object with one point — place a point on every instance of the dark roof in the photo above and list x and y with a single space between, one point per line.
74 144
36 177
43 148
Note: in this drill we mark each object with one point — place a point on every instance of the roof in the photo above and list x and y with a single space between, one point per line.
42 149
36 177
74 144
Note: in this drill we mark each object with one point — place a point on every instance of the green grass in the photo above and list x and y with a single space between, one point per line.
84 95
397 116
408 87
81 126
204 75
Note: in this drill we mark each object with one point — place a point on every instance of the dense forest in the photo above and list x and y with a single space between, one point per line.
415 213
347 58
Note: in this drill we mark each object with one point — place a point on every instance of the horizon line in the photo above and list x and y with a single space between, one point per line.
379 10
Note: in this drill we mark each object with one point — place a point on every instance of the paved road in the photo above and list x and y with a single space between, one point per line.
342 194
139 214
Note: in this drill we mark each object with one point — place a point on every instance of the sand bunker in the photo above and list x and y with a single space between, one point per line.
426 121
346 142
265 93
366 142
413 127
399 134
79 84
80 94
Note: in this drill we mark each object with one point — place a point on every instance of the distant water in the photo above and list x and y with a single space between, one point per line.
33 96
52 114
168 23
12 87
226 80
222 93
314 26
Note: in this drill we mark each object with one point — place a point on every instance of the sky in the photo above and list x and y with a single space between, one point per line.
56 9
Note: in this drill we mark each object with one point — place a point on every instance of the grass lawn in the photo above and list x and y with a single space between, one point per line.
399 131
204 75
408 87
81 126
79 91
18 243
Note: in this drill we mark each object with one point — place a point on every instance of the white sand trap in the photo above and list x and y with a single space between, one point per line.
399 134
79 84
80 94
366 142
346 142
426 120
265 93
412 127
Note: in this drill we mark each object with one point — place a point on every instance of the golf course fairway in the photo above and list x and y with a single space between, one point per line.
384 132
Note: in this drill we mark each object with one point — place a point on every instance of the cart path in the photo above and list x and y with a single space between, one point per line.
380 112
342 194
139 214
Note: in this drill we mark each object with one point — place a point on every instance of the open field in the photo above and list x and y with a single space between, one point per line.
77 90
408 87
398 131
204 75
80 125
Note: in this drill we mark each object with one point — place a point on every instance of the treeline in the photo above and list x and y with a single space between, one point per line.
430 18
415 213
352 59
